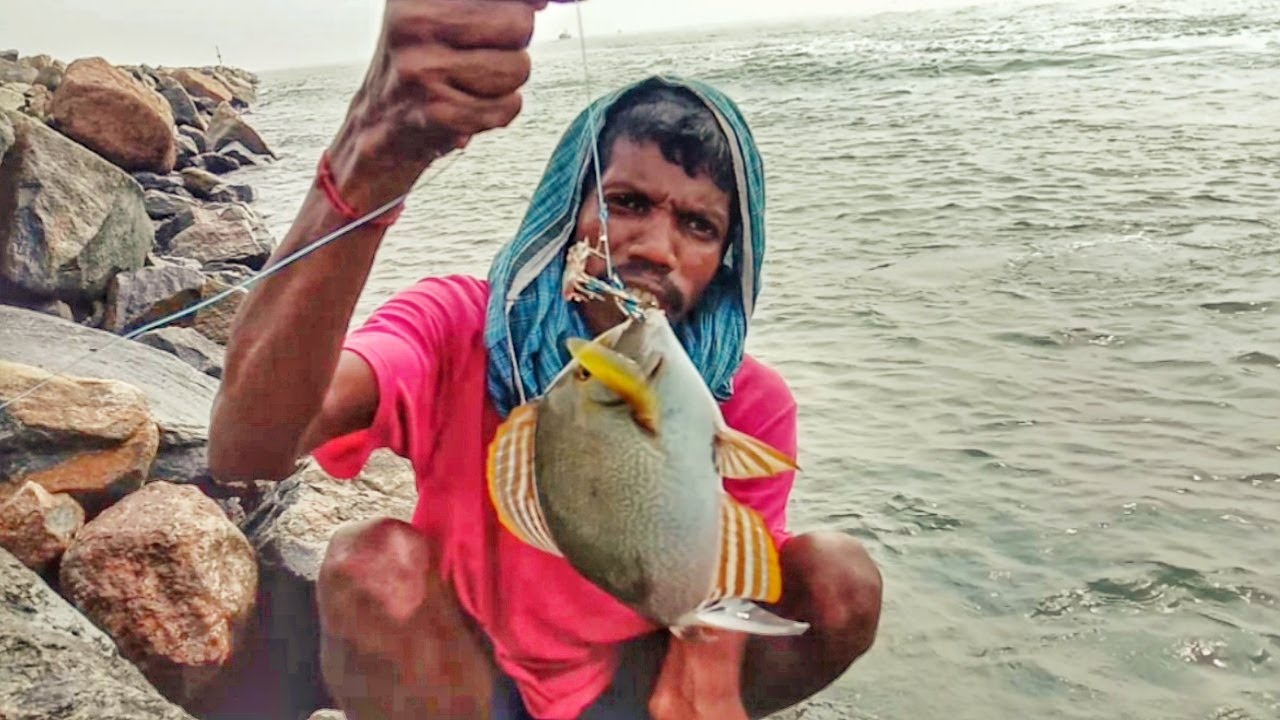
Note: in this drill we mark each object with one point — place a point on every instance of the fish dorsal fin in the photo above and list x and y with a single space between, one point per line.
513 488
748 568
741 457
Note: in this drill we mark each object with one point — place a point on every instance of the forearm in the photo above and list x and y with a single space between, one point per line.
288 333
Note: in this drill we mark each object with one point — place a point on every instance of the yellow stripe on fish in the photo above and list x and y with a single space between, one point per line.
749 566
513 489
620 374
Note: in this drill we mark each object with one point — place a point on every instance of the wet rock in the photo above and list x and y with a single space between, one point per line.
147 294
241 154
199 182
184 110
36 526
58 666
171 580
291 531
161 205
215 163
190 347
170 183
199 85
115 115
227 127
197 137
180 397
72 219
233 194
12 72
94 439
222 233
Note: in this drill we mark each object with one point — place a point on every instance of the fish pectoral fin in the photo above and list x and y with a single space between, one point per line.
745 616
742 457
748 565
622 375
513 488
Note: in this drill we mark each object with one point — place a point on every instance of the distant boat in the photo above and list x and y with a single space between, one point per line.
564 35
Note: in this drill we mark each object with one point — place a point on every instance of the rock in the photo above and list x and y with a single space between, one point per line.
214 322
226 127
115 115
56 308
161 205
243 93
215 163
197 136
50 77
142 296
12 97
184 110
187 149
241 154
290 532
10 55
171 183
224 232
199 182
37 527
205 105
190 347
94 439
12 72
39 98
180 398
7 136
38 62
199 85
58 666
233 194
72 219
171 580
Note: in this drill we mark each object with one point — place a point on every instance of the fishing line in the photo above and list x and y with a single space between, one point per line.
243 285
595 146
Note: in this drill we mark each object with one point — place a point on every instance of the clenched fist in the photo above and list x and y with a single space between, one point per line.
443 71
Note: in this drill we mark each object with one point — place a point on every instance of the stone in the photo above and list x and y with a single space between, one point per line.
227 232
199 182
241 154
13 97
214 321
233 194
215 163
184 110
171 580
72 219
199 85
38 62
197 136
243 92
10 55
39 98
170 183
94 439
180 397
12 72
161 205
190 347
7 135
113 114
187 150
36 526
138 297
50 77
227 127
291 531
58 666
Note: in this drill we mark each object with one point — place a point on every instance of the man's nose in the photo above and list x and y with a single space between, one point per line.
657 242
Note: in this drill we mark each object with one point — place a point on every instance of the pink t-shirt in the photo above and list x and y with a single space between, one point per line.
555 633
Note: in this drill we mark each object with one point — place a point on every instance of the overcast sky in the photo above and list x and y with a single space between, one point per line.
267 34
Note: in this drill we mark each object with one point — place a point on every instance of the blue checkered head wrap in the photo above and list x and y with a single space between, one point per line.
528 320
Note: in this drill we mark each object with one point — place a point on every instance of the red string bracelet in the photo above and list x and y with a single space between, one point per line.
326 183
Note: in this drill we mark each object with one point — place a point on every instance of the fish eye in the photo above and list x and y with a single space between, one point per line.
581 374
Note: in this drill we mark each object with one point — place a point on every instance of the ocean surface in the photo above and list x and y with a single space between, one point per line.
1024 279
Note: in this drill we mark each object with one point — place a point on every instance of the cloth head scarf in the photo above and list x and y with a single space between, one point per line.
528 320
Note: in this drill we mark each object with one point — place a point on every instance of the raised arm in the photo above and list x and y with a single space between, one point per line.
443 71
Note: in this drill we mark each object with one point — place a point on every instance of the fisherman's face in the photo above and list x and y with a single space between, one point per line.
667 231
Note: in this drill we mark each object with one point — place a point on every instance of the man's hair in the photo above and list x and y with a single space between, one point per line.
680 125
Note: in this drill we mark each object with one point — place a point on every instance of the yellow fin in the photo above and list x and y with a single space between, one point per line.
620 374
748 568
512 486
740 456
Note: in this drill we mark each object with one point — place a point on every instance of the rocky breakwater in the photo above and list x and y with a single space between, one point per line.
132 585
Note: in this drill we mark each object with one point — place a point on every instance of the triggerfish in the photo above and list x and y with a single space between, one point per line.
618 468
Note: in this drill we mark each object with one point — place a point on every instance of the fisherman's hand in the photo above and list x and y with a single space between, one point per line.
701 678
443 71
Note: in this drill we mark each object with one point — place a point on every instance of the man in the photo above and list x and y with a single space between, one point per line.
451 616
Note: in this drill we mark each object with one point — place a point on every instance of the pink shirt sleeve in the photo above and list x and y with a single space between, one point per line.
764 408
406 344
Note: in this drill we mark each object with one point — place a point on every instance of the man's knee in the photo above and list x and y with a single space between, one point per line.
379 568
841 588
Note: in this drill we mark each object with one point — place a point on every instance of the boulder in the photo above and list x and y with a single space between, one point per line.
7 136
243 93
199 182
184 110
229 193
214 321
161 205
187 149
13 97
180 398
94 439
228 232
38 62
37 526
12 72
10 55
199 85
171 580
72 219
215 163
290 532
58 666
115 115
142 296
241 154
227 127
190 347
39 98
50 77
171 183
197 136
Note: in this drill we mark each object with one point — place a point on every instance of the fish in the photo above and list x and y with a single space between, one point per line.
618 468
